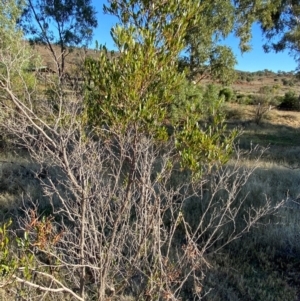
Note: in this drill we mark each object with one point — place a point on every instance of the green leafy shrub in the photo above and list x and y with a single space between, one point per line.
287 82
189 96
227 93
290 101
244 99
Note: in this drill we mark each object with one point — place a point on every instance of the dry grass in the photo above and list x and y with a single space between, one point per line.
279 131
264 265
275 117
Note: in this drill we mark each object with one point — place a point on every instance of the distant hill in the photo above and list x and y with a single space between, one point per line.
252 82
246 83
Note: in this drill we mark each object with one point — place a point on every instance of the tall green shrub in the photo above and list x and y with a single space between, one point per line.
290 101
227 93
141 89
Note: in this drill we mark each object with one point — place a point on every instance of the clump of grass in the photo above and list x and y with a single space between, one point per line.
257 272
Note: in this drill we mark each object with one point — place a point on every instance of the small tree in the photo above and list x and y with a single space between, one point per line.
65 23
265 101
15 57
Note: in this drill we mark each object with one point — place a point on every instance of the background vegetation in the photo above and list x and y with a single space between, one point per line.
139 177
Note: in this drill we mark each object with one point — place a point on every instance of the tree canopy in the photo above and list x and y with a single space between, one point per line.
14 54
282 28
203 53
66 23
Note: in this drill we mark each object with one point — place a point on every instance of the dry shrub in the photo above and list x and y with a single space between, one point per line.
124 220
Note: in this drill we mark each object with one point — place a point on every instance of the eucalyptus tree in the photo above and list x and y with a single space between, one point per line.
282 28
206 52
66 23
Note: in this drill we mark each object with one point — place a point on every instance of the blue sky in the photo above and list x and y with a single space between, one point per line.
252 61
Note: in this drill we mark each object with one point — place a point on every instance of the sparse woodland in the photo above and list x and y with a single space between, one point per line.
131 184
